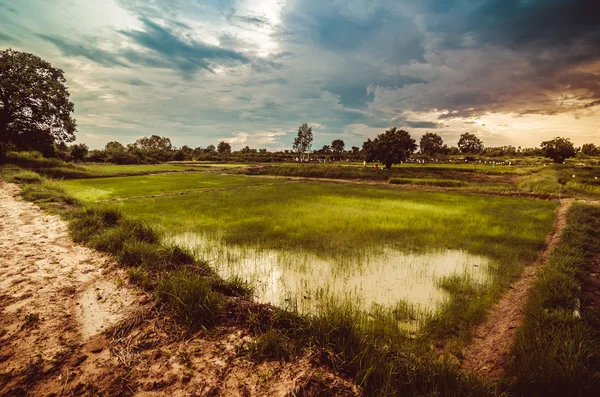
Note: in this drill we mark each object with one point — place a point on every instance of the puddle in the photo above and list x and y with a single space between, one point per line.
303 281
101 305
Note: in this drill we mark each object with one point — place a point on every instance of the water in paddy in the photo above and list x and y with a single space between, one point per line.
301 280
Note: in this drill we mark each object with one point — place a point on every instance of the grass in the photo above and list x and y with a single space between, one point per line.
556 352
339 221
191 298
123 187
543 182
427 182
110 170
56 168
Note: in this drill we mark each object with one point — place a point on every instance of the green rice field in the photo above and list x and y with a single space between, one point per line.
303 245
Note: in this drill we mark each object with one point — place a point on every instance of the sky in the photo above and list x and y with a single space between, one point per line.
249 72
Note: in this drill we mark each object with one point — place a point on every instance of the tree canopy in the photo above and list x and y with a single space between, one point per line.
558 149
303 141
223 147
469 143
589 149
338 146
34 102
392 147
431 144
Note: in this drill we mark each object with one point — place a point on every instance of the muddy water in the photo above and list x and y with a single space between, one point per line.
303 281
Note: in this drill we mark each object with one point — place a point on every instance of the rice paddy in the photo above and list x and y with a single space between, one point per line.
303 245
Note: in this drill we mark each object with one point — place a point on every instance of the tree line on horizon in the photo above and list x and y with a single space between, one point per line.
36 115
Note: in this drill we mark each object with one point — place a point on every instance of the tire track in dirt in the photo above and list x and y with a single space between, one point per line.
493 339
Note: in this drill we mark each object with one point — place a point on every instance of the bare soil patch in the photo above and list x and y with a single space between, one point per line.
70 324
492 340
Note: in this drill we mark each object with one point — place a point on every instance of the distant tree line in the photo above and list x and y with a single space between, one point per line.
36 114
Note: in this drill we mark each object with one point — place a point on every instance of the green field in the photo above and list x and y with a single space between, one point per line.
298 242
148 185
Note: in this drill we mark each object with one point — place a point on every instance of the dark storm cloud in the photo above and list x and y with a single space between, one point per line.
187 56
338 27
543 22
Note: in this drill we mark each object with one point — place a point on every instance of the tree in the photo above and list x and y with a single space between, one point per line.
589 149
34 100
303 142
392 147
558 149
338 146
469 143
79 152
431 144
223 147
210 149
326 150
114 147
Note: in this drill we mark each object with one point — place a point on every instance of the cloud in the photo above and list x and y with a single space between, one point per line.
91 52
138 82
422 124
186 55
246 70
7 38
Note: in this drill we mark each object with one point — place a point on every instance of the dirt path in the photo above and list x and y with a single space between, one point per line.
70 324
55 300
493 339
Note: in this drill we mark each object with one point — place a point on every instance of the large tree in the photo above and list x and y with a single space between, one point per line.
470 144
431 144
338 146
34 102
303 141
79 152
392 147
589 149
224 147
558 149
157 147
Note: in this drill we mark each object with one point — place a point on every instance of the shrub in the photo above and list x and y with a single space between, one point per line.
190 298
27 177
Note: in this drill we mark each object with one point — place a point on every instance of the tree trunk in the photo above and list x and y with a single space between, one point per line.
3 142
388 166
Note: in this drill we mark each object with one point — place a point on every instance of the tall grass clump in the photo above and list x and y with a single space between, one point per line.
190 297
543 182
557 349
427 182
27 177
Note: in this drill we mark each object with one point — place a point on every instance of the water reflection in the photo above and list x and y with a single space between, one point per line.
303 281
